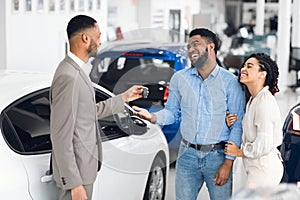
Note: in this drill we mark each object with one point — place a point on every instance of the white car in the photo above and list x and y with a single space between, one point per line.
135 152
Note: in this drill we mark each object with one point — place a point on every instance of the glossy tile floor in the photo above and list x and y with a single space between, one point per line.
286 99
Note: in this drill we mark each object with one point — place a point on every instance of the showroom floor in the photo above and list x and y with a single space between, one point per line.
286 100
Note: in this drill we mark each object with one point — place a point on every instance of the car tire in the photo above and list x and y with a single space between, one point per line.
156 183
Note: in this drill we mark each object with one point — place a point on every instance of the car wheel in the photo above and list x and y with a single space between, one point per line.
156 183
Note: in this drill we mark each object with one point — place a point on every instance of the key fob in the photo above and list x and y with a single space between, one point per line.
145 93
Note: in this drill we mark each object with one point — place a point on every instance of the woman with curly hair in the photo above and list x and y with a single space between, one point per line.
261 123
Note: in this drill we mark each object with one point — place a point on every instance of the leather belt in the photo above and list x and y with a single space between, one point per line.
205 147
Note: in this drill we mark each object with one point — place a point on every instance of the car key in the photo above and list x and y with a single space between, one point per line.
145 93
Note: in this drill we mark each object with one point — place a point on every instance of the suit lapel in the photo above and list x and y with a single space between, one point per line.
87 80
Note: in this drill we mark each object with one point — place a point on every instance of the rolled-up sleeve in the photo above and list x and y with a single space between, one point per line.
171 112
236 104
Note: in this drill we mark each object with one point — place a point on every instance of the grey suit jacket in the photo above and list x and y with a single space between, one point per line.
77 150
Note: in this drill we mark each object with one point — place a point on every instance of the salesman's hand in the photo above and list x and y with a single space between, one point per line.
133 93
78 193
144 114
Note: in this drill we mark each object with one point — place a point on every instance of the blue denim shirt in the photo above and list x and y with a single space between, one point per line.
202 105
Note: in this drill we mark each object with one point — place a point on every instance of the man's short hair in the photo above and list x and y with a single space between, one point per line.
79 23
208 35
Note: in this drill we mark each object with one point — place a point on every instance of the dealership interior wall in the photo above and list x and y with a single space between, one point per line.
35 39
33 36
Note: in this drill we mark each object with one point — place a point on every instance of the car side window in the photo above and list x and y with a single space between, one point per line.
115 126
137 70
121 124
26 124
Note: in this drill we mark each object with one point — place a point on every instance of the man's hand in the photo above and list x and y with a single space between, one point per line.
78 193
223 173
144 114
133 93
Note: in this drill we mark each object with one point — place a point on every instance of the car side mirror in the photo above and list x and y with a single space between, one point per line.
295 126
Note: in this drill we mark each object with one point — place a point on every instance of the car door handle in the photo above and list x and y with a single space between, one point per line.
46 178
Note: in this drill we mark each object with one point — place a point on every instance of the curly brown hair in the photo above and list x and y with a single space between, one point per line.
270 66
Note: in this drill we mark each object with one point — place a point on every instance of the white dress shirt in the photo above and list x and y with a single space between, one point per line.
86 67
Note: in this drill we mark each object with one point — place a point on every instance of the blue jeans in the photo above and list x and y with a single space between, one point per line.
193 167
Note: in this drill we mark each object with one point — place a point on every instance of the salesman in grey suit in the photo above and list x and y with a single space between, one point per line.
77 150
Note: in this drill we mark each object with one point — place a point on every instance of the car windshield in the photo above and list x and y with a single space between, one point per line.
118 74
107 63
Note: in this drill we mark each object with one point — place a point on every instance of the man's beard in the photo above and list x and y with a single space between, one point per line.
93 50
201 60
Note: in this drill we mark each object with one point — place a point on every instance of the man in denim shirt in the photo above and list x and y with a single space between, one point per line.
202 94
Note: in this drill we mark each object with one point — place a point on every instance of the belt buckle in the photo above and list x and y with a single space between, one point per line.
212 147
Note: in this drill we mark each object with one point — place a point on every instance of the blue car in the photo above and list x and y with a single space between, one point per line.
121 64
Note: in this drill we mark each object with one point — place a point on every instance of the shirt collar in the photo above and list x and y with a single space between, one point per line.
86 67
265 88
77 60
213 73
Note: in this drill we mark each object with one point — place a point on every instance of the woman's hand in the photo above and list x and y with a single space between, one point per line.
232 149
230 119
